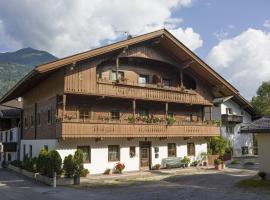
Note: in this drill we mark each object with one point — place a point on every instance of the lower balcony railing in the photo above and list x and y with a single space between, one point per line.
67 130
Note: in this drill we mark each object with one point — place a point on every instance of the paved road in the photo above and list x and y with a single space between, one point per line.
195 187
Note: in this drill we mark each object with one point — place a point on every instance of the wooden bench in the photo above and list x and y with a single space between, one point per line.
172 162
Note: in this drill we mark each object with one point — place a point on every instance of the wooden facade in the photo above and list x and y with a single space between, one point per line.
142 75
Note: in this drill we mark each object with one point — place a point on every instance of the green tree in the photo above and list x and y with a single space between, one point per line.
218 146
261 102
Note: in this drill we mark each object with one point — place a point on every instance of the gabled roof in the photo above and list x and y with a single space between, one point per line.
221 100
166 40
261 125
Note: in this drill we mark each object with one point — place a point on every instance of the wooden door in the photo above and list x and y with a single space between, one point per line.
145 157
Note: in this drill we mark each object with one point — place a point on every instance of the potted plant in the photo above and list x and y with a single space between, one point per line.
78 163
170 120
157 166
119 167
108 171
185 161
204 158
131 119
217 163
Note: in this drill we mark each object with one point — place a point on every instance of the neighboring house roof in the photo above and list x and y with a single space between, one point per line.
177 49
221 100
9 113
261 125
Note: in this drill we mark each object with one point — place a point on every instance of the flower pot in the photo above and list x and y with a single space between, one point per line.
77 180
218 167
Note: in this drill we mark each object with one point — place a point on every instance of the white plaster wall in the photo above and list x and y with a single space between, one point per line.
37 145
99 151
237 140
264 149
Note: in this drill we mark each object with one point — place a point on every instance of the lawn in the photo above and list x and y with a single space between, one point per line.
256 184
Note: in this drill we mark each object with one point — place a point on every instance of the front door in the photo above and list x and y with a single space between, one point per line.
145 158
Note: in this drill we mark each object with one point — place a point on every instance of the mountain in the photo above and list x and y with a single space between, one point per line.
15 65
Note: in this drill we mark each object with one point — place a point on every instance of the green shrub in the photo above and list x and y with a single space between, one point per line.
69 166
30 164
186 161
43 162
55 163
84 172
170 120
195 163
217 162
234 162
131 119
78 160
262 175
17 163
219 146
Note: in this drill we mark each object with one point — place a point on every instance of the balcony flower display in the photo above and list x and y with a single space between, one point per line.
119 167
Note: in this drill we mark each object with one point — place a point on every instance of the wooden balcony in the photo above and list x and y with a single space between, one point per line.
231 118
66 130
150 92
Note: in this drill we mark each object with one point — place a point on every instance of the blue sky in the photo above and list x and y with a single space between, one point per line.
232 16
232 36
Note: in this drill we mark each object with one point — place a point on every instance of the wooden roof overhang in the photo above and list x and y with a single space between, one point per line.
162 37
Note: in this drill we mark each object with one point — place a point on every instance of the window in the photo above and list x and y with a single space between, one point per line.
113 153
30 151
32 121
38 119
143 79
171 150
115 115
49 116
83 114
132 151
230 129
229 111
46 147
156 150
167 82
9 157
191 149
10 136
1 136
244 150
120 75
86 153
189 117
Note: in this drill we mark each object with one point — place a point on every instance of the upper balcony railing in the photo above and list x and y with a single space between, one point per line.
231 118
149 92
115 129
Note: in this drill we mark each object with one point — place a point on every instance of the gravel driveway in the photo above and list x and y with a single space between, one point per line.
203 186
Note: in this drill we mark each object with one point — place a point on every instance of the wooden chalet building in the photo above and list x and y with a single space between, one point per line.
136 101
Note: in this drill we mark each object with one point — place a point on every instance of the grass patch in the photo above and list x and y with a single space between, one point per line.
255 184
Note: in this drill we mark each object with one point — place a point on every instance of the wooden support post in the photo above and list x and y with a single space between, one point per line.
64 105
117 68
181 78
134 107
166 109
210 112
203 114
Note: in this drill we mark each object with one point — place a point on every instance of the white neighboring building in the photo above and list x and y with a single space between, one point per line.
232 117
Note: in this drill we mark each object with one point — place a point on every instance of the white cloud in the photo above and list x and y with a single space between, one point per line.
266 23
66 27
221 35
243 60
191 39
